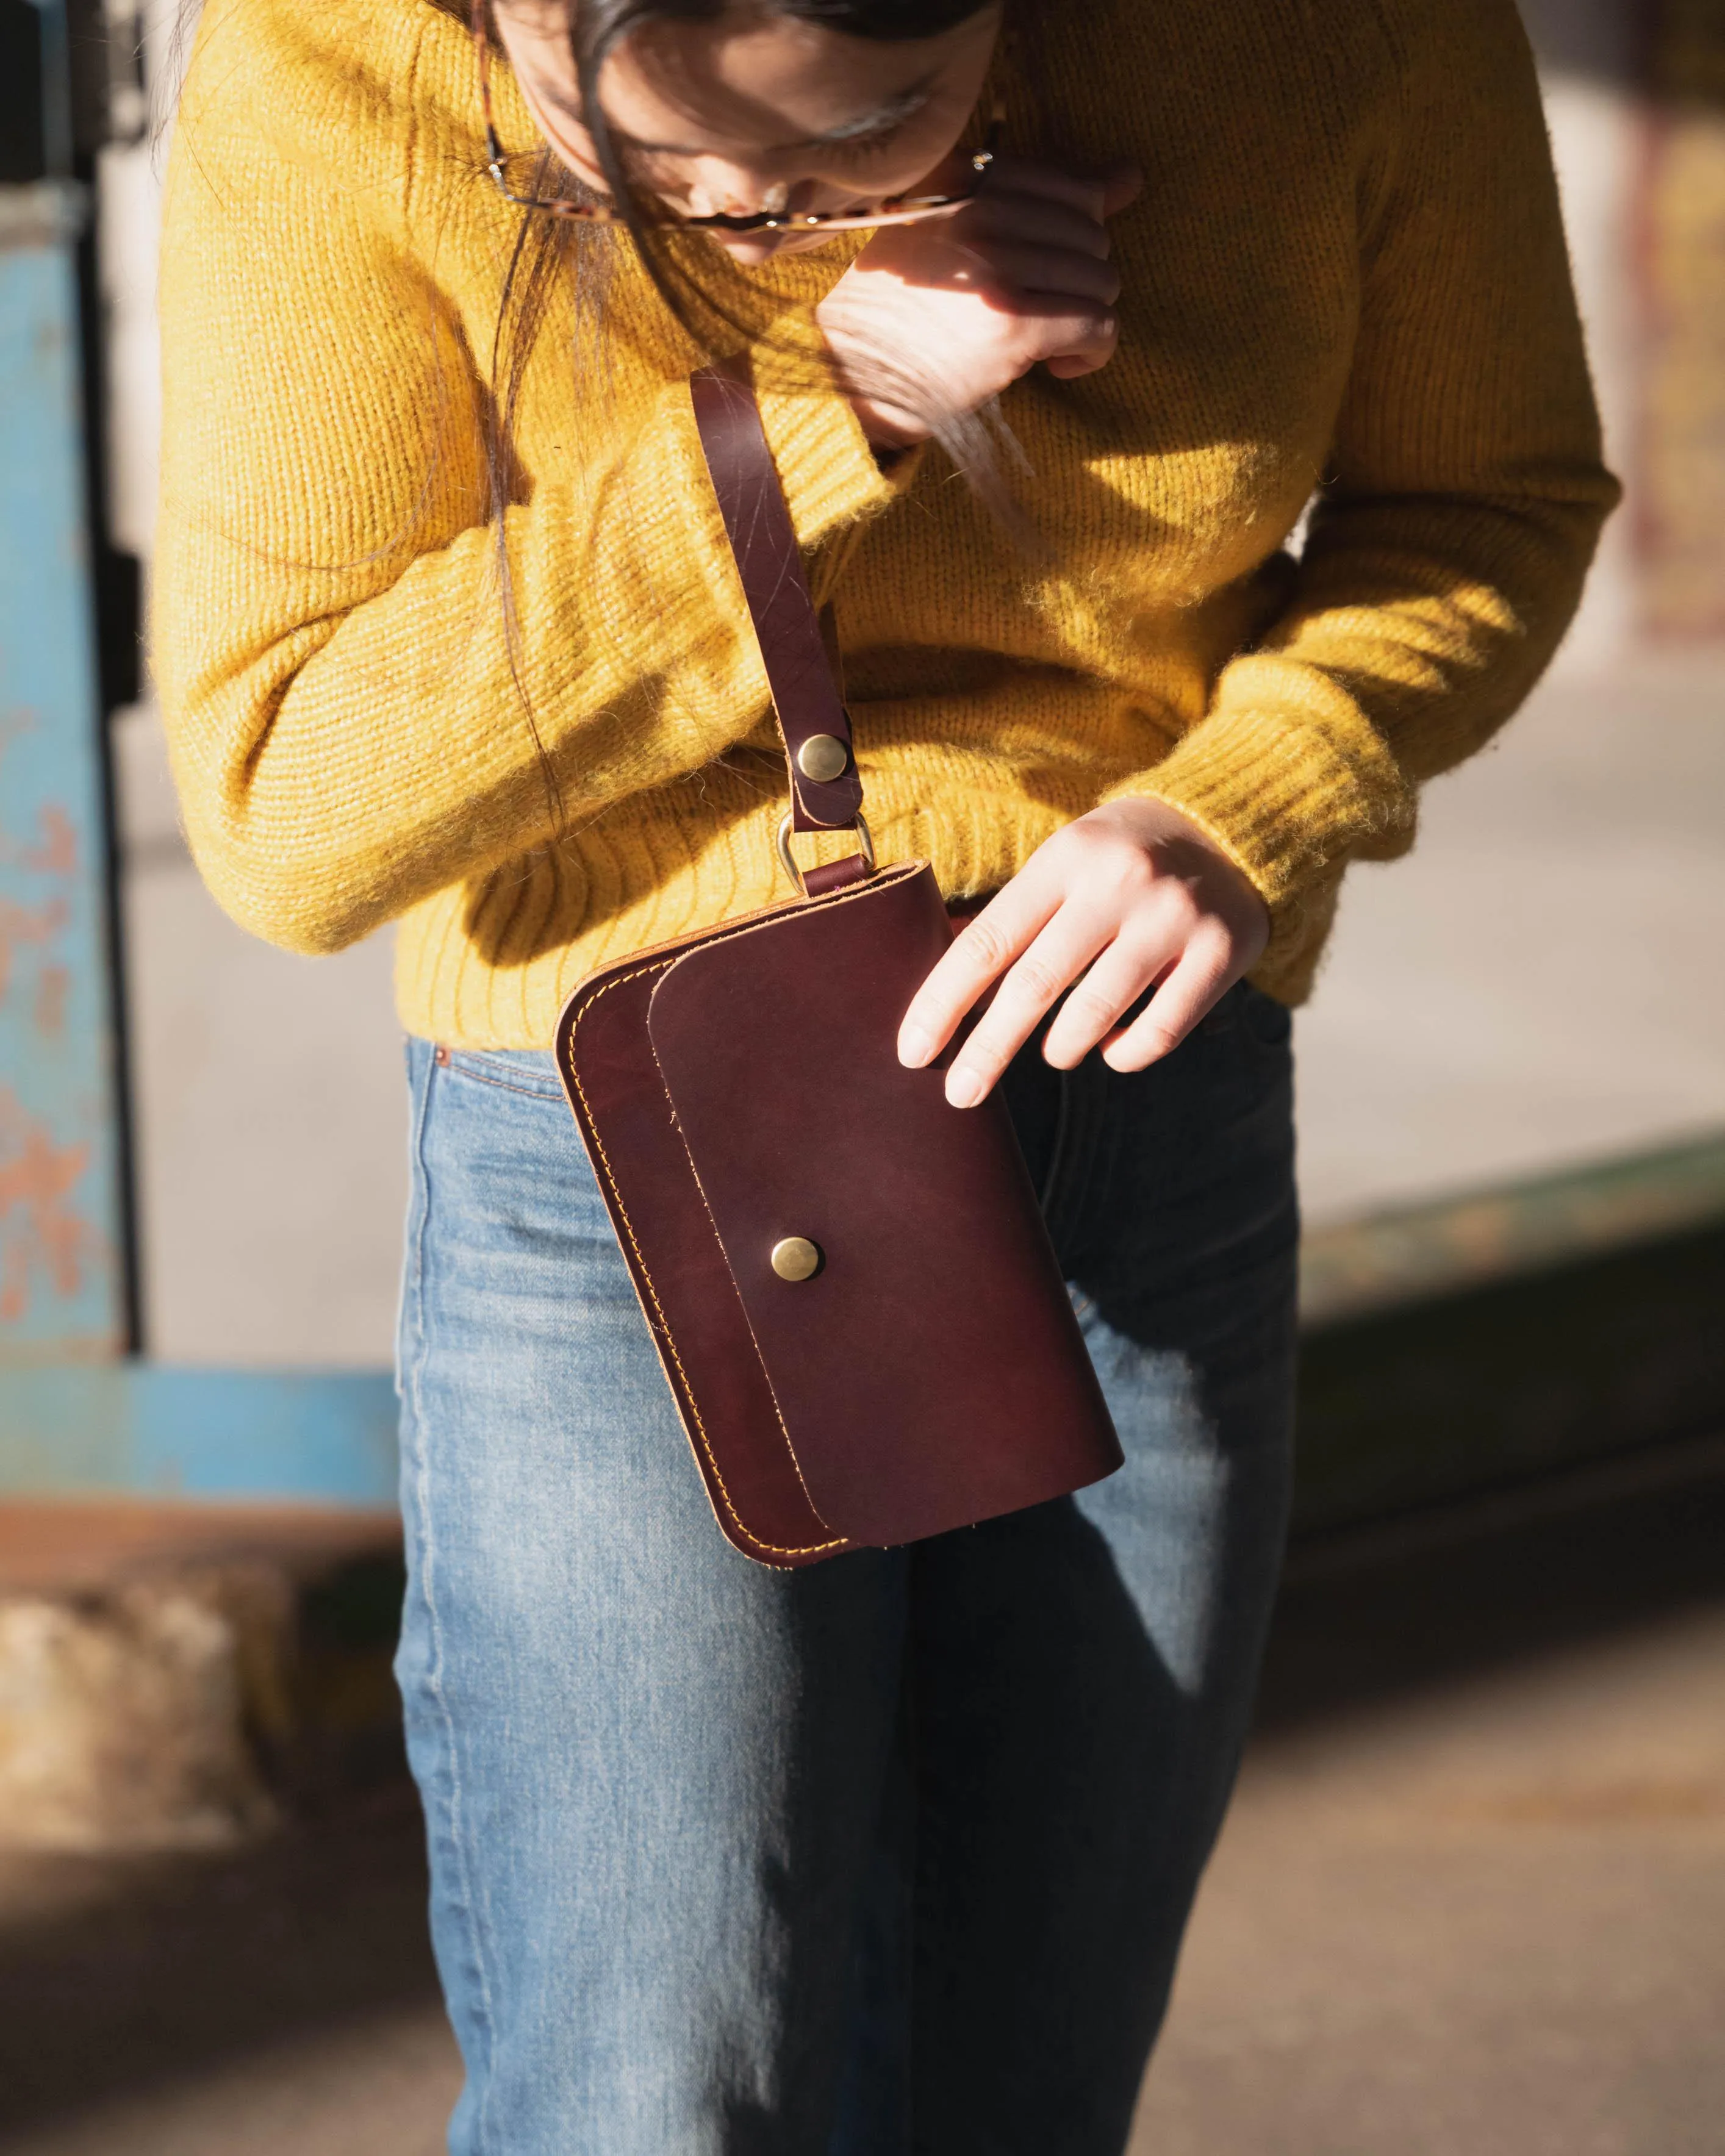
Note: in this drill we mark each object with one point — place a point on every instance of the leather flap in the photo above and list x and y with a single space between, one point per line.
687 1296
930 1373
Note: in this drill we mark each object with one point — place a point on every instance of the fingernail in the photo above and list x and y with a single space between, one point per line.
914 1047
964 1089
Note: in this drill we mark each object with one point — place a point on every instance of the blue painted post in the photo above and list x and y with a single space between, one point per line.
62 1276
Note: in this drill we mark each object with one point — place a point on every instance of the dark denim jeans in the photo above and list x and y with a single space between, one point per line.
890 1856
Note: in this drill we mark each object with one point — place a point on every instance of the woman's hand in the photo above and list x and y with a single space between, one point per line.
1129 895
933 320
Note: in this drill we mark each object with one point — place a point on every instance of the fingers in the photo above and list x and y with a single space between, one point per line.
1037 977
1056 271
1088 192
1189 991
1018 278
1123 185
1085 355
1050 326
1033 221
1094 1008
1130 897
1037 237
978 955
1030 987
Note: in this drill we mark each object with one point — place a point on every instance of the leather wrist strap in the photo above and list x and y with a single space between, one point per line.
848 1282
780 605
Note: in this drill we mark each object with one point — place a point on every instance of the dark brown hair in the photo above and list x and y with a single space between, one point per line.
708 304
709 301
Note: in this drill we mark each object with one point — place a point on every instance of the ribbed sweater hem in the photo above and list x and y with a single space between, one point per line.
479 968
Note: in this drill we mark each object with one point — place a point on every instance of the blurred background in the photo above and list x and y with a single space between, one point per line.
1472 1898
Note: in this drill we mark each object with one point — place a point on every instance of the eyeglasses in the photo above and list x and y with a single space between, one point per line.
892 210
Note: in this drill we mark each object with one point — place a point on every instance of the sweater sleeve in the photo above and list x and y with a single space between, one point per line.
368 697
1462 503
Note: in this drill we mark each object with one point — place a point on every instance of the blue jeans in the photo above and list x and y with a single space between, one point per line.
890 1856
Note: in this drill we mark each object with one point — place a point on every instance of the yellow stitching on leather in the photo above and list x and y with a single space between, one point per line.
772 1392
900 873
773 1549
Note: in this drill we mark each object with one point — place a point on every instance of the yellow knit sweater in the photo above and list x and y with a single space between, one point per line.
1345 274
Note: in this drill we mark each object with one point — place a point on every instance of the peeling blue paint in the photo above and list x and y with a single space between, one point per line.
147 1429
62 1280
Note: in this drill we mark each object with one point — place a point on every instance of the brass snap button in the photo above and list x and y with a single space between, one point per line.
823 758
796 1258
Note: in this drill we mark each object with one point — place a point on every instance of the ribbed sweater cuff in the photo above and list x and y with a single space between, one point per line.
1289 786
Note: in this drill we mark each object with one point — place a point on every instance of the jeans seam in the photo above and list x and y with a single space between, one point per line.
461 1064
413 1402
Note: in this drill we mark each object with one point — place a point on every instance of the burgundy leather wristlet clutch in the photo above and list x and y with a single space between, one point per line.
848 1282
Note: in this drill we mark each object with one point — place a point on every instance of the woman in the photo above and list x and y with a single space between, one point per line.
896 1852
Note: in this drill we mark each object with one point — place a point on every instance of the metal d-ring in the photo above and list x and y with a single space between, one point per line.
788 860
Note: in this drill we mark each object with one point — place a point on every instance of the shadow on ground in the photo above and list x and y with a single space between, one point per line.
117 1975
1441 1596
118 1978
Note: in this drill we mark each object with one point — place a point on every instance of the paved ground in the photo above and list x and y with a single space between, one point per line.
1529 989
1536 983
1470 1902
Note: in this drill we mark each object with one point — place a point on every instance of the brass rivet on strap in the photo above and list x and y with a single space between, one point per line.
796 1258
823 758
